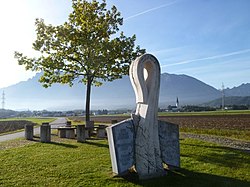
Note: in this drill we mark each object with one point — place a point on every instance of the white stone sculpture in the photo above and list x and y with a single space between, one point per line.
145 78
144 141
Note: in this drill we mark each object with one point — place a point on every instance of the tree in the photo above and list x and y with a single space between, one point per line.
88 47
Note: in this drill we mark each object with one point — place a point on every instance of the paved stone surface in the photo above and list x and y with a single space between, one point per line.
58 122
227 142
17 135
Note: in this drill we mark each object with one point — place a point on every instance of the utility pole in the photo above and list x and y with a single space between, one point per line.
3 100
223 97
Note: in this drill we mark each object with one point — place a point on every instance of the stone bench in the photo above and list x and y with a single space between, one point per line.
66 132
101 131
98 131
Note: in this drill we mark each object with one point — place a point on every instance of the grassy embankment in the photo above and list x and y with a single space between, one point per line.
9 127
68 163
38 121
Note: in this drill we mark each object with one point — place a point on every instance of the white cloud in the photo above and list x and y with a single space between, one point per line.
150 10
209 58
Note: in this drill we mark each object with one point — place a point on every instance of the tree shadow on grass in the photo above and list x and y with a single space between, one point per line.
63 144
218 147
183 177
96 143
222 156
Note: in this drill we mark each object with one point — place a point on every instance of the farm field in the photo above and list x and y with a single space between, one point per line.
234 125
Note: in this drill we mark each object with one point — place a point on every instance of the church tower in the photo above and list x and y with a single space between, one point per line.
177 103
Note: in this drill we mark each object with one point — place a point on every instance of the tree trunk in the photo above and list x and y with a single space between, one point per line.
87 106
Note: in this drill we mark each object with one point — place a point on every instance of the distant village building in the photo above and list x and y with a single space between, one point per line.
177 103
174 108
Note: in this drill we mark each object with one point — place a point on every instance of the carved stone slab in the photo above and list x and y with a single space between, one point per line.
121 146
169 143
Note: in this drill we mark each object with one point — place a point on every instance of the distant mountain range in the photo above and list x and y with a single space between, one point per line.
230 101
111 95
242 90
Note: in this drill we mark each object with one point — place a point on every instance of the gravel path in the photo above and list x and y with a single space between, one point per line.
227 142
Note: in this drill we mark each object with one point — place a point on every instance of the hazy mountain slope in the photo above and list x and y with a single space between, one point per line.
242 90
117 94
188 89
229 101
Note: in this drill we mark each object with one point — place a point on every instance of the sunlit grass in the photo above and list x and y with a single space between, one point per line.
68 163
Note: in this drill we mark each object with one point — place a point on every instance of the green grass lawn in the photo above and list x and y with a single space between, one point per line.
68 163
14 129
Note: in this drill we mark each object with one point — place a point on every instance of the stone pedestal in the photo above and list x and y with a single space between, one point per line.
89 124
45 133
61 132
29 132
87 132
68 124
80 133
70 133
101 131
66 132
90 127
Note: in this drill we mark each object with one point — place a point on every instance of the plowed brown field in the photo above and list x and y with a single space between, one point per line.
229 122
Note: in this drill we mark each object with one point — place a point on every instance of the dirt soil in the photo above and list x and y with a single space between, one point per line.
230 122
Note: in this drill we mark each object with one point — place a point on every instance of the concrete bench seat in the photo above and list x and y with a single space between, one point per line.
66 132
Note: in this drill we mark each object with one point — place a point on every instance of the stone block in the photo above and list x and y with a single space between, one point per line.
90 124
101 131
169 143
29 132
70 133
87 133
80 133
68 123
61 132
45 133
121 146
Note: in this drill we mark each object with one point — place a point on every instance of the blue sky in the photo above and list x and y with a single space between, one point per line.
206 39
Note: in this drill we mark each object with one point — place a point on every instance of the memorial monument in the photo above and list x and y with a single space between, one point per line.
143 141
